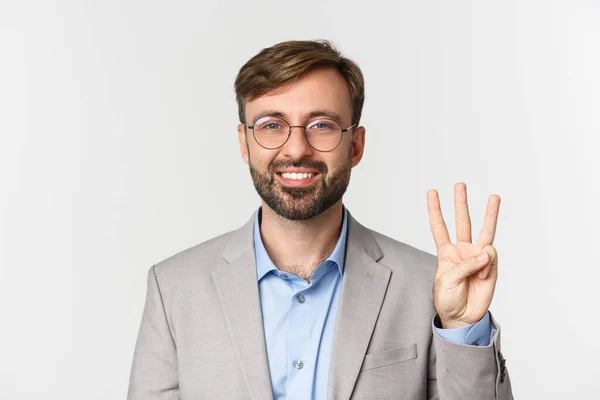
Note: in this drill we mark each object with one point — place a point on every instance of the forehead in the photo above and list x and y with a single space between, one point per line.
321 89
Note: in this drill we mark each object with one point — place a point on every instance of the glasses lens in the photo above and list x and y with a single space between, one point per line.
324 134
271 132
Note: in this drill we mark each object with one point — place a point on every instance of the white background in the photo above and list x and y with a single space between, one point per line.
118 149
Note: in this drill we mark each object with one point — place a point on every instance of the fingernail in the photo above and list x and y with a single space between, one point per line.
480 275
481 257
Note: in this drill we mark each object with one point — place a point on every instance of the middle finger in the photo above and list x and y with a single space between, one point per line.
461 213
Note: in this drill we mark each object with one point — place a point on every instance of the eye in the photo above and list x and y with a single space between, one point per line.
322 126
270 124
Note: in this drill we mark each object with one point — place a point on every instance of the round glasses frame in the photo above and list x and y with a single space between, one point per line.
305 135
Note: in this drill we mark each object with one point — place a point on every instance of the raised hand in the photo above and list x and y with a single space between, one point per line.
463 284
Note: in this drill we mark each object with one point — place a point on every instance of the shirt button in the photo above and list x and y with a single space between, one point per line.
300 298
283 276
298 364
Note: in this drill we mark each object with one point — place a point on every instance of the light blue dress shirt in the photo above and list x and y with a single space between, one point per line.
299 319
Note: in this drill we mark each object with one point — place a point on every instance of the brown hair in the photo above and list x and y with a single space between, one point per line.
280 65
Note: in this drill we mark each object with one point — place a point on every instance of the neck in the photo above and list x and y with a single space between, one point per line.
300 246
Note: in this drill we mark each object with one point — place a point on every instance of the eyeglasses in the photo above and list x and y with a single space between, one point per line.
323 134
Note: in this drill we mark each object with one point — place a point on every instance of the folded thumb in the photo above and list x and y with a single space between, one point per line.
471 265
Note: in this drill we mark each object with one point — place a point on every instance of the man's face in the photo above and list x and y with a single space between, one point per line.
320 93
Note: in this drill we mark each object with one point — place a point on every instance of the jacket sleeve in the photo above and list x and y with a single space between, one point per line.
154 368
458 371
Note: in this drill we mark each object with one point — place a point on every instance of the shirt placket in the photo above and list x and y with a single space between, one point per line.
300 363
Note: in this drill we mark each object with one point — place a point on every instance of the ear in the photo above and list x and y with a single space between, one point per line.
242 140
358 145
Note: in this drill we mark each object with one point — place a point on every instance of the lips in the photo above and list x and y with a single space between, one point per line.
297 175
297 179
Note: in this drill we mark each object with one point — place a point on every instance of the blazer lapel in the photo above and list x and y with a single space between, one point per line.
364 285
237 286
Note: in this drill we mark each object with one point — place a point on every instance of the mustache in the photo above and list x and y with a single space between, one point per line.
319 166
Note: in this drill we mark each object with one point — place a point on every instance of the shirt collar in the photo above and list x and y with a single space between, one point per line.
264 264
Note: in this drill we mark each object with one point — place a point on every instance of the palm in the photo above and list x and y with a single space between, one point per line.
462 299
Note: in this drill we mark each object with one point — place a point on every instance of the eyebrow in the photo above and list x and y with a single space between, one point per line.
321 112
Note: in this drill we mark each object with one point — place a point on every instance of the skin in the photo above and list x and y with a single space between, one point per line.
463 285
461 296
298 246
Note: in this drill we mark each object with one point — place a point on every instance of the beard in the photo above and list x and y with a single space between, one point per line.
302 203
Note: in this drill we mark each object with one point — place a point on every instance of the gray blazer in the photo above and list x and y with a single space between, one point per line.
201 335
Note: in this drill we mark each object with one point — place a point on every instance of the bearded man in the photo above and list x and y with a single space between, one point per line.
302 301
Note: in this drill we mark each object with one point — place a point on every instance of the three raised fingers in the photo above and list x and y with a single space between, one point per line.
463 220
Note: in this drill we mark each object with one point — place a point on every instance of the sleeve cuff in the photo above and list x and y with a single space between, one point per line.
478 334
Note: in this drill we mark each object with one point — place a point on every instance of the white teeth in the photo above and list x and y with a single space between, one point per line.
294 175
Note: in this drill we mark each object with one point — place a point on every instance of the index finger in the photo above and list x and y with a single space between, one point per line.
436 220
488 232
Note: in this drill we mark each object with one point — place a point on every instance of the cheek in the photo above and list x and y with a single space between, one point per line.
340 159
260 158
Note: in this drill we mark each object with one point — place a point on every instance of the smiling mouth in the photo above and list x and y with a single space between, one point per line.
298 179
297 176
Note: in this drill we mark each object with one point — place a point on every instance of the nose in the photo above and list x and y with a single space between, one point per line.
296 146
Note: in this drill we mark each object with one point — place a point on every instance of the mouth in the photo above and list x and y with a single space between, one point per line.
297 178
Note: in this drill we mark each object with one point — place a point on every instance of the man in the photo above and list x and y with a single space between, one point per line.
303 302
